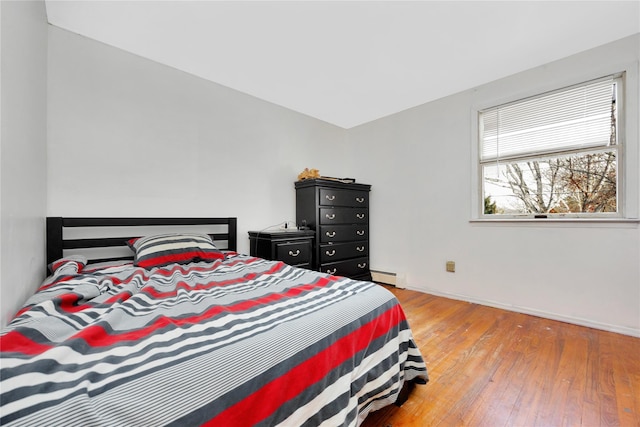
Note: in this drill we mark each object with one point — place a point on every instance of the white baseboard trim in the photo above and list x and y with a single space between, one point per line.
534 312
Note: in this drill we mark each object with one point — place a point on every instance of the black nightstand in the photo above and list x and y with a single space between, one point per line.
293 247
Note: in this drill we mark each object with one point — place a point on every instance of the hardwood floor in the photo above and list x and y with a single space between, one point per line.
491 367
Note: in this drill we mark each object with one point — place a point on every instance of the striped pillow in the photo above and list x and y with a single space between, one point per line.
165 249
72 264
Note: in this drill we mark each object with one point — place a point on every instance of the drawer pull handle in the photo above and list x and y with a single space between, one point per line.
360 199
360 232
332 271
360 215
330 197
330 216
330 233
332 252
296 253
360 248
363 265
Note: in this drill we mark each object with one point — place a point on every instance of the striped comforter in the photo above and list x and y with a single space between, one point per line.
237 342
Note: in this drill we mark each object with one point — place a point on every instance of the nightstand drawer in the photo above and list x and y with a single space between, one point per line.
352 198
344 216
343 233
351 267
294 253
340 251
294 247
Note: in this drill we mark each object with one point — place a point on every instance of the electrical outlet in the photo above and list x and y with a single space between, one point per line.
451 266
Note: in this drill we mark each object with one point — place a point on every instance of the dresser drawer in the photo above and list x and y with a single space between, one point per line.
294 253
343 233
351 267
340 251
351 198
344 216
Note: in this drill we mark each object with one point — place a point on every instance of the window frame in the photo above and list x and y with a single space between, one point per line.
628 145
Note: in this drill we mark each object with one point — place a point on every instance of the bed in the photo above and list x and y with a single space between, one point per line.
177 328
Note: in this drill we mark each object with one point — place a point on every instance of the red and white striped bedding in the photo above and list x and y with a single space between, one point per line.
237 342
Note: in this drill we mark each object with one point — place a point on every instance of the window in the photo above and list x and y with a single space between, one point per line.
553 155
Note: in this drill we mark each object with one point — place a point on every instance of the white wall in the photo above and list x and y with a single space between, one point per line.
130 137
23 150
419 164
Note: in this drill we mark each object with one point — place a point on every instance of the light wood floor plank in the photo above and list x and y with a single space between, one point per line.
492 367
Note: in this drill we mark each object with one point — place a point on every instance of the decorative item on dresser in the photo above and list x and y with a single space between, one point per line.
338 213
291 246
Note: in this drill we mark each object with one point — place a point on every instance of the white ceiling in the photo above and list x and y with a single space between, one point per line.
349 63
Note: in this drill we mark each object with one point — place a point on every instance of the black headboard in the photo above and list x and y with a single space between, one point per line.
57 243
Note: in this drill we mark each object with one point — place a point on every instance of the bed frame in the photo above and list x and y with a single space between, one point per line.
57 243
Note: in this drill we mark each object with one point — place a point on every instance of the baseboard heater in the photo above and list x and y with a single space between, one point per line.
383 277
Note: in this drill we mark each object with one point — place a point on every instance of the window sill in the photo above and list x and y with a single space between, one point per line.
569 222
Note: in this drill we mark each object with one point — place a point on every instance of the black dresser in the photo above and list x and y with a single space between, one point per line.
338 213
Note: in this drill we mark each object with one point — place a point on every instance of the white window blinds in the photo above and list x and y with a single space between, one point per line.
571 119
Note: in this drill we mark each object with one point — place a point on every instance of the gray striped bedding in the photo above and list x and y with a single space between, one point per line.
235 342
